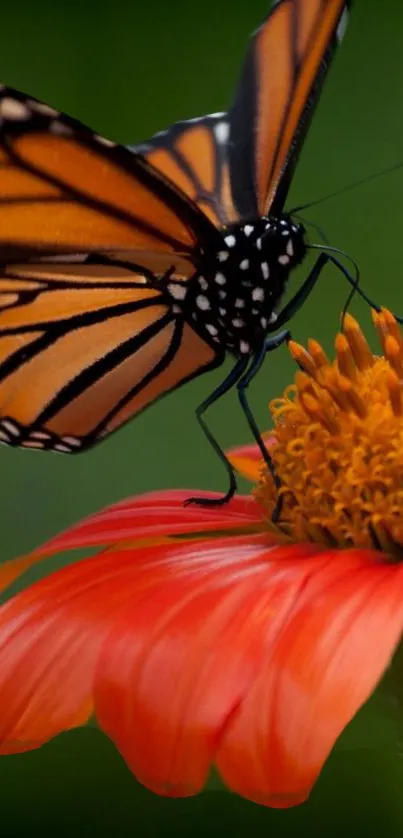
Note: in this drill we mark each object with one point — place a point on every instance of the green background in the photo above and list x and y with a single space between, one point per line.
129 69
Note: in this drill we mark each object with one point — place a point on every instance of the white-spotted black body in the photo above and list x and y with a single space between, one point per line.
232 298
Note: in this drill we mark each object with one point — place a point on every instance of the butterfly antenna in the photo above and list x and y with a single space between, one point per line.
347 188
320 232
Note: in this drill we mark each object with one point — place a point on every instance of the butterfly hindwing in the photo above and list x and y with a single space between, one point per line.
82 349
194 155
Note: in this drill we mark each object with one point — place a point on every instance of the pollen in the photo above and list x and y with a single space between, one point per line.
337 443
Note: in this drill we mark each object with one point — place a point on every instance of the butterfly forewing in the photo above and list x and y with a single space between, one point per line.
63 189
279 87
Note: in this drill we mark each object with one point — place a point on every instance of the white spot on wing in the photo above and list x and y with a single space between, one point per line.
60 129
244 347
273 317
203 283
41 108
265 270
238 322
32 443
239 303
248 229
72 441
283 260
244 264
14 109
223 255
221 131
10 427
104 141
220 279
343 23
212 329
177 290
290 248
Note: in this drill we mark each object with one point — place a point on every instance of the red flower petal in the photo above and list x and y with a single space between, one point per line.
52 633
152 516
333 649
157 514
223 650
247 460
175 668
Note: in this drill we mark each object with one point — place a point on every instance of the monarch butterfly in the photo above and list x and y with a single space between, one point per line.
125 272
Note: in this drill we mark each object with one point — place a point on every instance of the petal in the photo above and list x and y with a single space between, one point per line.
175 668
151 516
247 460
52 633
334 647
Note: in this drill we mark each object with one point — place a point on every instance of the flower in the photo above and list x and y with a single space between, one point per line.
213 636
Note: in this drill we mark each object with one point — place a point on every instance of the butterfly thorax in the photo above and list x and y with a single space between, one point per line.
231 300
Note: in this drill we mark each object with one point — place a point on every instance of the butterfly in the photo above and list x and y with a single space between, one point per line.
127 271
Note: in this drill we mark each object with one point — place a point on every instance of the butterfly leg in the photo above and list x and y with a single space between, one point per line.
303 293
242 385
226 385
329 258
355 289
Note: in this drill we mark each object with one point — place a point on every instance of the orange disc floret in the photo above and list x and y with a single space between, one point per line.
338 447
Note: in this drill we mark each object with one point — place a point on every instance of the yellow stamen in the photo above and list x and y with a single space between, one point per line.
339 443
345 359
353 397
394 354
359 347
303 383
302 357
392 327
317 354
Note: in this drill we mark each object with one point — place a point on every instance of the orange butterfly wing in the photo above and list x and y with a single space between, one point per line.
83 348
65 189
237 166
194 156
279 87
88 335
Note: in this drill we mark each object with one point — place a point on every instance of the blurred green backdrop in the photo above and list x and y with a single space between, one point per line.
129 69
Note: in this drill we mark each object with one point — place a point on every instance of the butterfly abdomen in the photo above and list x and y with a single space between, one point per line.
232 298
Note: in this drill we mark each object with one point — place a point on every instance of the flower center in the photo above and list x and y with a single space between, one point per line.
338 443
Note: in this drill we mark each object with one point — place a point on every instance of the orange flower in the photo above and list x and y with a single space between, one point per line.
209 636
